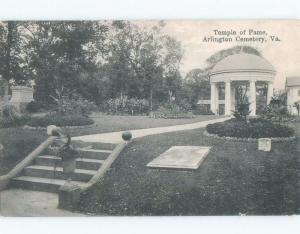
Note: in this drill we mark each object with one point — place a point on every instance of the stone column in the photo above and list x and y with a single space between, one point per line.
227 98
252 98
270 92
213 97
233 97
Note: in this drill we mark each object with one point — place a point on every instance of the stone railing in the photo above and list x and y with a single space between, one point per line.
54 134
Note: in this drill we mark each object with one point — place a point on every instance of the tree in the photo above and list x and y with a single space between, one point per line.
143 63
13 52
62 51
215 58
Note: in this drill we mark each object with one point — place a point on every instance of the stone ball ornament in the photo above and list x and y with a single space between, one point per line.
127 136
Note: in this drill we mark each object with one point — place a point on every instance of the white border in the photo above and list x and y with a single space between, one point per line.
151 9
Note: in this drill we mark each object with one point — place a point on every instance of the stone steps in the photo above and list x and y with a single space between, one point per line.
46 172
57 173
94 145
39 184
81 163
94 153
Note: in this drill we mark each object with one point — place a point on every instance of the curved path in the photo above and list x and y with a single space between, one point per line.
116 137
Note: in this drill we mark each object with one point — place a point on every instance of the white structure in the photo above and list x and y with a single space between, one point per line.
21 94
240 68
293 93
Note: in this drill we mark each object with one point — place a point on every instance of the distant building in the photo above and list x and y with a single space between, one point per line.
293 93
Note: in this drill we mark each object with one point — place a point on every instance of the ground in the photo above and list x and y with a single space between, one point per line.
234 179
19 142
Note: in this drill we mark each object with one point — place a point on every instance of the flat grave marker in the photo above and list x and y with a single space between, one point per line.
181 157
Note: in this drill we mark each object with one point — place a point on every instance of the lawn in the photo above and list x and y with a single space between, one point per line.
112 123
234 179
19 142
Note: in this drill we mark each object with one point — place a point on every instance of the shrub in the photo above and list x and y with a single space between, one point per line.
10 116
171 111
34 107
131 106
203 109
59 120
256 128
277 109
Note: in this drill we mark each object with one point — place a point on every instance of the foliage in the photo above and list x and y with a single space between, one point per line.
256 128
34 107
242 108
171 110
297 106
215 58
277 108
124 105
71 103
10 116
14 52
59 120
202 109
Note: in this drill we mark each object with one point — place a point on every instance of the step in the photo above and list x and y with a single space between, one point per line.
39 184
81 163
88 163
94 153
57 173
94 145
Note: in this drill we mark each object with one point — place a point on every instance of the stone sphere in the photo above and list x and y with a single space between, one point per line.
126 136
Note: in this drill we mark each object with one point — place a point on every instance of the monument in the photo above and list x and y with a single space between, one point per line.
234 70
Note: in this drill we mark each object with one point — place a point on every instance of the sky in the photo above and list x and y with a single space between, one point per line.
284 55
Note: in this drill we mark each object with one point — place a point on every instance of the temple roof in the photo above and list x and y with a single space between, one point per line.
293 81
243 62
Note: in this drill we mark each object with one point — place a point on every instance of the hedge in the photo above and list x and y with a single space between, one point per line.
256 128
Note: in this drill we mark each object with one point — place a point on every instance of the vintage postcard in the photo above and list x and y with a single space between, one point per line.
149 118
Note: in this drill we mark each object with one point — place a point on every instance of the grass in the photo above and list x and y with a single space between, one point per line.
234 179
112 123
19 142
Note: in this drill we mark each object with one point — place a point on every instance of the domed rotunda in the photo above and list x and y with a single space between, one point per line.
234 69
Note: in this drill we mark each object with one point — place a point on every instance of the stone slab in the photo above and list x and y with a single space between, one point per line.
181 157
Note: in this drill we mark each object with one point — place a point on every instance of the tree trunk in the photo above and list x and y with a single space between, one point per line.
151 100
9 42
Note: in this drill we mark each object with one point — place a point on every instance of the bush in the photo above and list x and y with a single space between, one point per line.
277 110
59 120
10 116
34 107
171 111
203 109
131 106
256 128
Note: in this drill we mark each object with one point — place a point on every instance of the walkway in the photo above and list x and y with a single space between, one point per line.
28 203
116 137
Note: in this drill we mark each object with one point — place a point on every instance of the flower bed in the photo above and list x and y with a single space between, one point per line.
256 128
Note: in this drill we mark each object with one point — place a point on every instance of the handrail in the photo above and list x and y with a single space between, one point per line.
105 166
54 133
4 179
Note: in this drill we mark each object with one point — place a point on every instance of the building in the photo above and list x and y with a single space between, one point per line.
236 70
293 93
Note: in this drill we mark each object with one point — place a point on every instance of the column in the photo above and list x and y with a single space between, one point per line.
270 92
227 98
252 98
213 97
233 97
